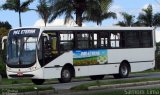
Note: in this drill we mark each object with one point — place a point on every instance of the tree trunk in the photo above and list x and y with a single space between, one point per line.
79 18
20 23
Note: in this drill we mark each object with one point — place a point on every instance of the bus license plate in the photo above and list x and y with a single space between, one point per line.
19 74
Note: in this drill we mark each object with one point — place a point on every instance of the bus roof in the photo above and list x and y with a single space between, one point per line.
91 28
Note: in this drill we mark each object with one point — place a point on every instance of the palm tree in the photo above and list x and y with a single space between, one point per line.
44 10
17 6
101 9
147 18
128 20
84 10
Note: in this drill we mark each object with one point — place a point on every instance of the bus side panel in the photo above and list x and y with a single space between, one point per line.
140 59
142 66
96 69
54 68
81 71
103 69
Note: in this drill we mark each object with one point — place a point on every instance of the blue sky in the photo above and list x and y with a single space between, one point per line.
131 6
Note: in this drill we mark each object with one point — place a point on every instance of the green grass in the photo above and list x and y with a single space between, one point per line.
25 89
148 71
149 91
109 93
14 81
110 82
6 81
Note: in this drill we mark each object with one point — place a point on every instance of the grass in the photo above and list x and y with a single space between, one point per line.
6 81
148 71
14 81
110 82
24 89
150 91
109 93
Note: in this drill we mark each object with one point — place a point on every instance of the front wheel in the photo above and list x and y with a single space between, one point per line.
38 81
123 71
65 75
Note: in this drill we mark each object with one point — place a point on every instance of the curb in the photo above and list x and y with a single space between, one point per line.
122 85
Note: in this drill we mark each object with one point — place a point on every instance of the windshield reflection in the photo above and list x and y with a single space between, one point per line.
22 50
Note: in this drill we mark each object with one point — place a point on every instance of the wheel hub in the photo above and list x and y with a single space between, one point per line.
124 70
66 74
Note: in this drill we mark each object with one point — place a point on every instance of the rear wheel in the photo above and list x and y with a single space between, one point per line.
38 81
97 77
123 71
65 75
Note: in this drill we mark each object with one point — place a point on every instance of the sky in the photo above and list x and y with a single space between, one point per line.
31 18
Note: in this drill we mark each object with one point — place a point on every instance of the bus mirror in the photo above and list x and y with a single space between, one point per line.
4 48
4 42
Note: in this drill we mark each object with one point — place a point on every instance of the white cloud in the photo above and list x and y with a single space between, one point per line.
57 22
117 9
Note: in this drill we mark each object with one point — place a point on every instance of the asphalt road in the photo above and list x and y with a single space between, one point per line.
75 82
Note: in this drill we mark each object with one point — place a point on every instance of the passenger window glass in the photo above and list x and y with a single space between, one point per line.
66 41
115 40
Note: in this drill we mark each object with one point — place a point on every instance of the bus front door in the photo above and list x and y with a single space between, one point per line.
50 48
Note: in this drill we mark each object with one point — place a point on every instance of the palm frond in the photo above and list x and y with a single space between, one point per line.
24 5
61 7
156 19
121 23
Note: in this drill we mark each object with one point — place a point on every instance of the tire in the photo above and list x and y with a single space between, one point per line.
123 71
66 75
38 81
97 77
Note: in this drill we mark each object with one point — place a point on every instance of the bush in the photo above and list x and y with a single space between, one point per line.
2 68
157 61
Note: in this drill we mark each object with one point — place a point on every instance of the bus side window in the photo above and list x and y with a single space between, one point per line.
115 40
103 40
95 40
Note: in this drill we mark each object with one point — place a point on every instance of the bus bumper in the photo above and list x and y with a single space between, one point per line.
37 74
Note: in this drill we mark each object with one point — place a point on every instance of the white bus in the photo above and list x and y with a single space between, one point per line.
67 52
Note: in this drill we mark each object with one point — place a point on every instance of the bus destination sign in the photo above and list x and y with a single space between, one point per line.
25 32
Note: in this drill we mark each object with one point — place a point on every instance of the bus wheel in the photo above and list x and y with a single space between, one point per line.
65 75
38 81
123 71
97 77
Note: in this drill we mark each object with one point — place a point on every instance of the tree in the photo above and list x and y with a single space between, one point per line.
128 20
147 18
5 25
17 6
84 10
101 9
44 10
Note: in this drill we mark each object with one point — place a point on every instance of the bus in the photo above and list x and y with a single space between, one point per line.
66 52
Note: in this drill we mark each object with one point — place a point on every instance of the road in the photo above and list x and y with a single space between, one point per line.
75 82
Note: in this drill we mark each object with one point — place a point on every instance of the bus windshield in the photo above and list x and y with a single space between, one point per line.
22 49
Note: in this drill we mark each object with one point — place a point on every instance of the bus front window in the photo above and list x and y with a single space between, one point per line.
22 51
